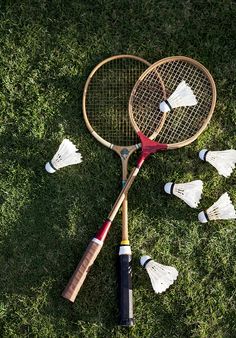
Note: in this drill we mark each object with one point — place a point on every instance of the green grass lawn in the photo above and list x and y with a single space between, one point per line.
47 49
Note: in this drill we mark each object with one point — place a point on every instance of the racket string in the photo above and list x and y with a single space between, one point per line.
107 100
161 82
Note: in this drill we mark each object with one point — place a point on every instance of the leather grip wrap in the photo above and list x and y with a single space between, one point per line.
125 291
76 281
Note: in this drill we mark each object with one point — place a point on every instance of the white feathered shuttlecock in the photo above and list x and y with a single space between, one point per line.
183 96
67 154
221 209
224 161
161 276
189 192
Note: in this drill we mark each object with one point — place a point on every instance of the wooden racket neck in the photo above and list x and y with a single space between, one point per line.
125 235
123 194
125 153
148 147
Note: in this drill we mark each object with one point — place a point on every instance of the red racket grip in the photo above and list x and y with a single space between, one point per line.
76 281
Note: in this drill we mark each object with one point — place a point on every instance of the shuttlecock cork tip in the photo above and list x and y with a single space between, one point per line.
164 106
49 168
202 217
168 187
202 154
144 259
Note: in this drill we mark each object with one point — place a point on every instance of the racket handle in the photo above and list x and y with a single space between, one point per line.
125 287
76 281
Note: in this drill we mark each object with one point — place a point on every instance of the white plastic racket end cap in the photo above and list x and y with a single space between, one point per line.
143 259
49 168
201 217
124 250
167 187
202 154
164 107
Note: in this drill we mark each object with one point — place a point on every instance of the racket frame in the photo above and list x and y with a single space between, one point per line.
153 68
148 147
124 152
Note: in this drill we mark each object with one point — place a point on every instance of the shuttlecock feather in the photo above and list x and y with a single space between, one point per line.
224 161
221 209
183 96
67 154
189 192
161 276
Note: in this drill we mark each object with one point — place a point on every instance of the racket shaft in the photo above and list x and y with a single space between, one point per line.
123 193
82 270
125 234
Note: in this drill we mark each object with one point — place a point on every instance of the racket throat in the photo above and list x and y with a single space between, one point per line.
148 147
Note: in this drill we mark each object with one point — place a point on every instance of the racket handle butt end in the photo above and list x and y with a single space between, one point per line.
126 322
67 296
76 281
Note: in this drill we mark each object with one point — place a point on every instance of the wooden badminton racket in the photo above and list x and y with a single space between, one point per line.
171 130
105 109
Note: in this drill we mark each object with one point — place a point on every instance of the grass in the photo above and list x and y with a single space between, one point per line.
47 50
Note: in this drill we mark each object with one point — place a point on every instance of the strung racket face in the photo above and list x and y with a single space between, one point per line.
106 97
184 124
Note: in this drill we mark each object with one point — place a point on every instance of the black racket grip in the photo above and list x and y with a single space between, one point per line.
125 291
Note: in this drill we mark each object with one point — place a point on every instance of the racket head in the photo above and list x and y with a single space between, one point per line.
105 100
184 124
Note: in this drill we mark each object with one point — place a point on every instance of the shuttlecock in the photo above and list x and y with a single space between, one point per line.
189 192
67 154
224 161
221 209
161 276
183 96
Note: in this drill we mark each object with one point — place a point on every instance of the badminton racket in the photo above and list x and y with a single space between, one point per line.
171 130
105 110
